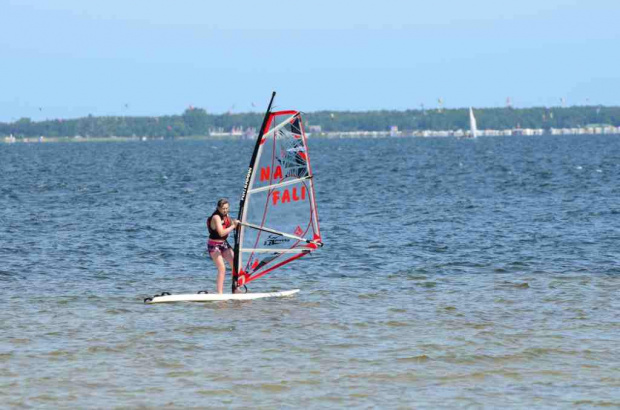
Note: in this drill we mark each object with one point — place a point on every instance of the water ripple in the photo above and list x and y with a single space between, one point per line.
455 273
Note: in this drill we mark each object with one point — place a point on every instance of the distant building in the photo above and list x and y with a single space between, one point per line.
250 133
394 131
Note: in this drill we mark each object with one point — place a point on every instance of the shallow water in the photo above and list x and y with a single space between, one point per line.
455 273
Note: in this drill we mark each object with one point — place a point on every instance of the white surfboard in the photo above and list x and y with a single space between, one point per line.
213 297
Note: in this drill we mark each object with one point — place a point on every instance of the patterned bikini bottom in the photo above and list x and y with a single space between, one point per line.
213 246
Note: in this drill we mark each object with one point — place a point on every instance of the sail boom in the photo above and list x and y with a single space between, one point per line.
276 250
286 235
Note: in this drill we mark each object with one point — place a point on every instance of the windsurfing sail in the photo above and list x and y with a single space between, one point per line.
473 128
278 212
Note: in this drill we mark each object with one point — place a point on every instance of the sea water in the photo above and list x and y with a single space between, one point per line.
479 273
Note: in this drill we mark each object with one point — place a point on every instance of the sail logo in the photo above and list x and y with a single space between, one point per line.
275 240
265 173
247 183
293 171
288 195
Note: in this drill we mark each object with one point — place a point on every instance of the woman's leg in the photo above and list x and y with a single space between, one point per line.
221 270
229 256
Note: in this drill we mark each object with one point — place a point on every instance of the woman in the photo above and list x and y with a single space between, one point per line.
220 226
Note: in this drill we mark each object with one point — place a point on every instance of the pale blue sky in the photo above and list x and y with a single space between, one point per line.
69 58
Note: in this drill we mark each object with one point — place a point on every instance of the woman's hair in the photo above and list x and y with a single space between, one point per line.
222 202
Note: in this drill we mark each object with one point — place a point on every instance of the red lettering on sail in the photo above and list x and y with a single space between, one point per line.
286 197
275 195
264 173
277 174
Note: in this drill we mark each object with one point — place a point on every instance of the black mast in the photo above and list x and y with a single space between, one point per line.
246 186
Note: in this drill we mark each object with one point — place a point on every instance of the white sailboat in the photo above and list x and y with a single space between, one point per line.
473 128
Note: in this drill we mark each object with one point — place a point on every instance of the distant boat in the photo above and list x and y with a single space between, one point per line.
473 128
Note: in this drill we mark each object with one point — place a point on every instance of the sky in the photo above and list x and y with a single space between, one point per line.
72 58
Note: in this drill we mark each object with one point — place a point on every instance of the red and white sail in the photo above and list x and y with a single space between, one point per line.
278 209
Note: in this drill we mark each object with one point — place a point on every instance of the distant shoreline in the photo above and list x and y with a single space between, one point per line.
461 134
43 139
335 124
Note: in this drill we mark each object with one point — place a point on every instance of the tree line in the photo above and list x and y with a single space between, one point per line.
197 122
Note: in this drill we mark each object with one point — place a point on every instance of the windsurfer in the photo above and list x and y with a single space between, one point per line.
220 225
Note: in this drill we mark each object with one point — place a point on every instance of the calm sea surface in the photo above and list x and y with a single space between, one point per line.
455 273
